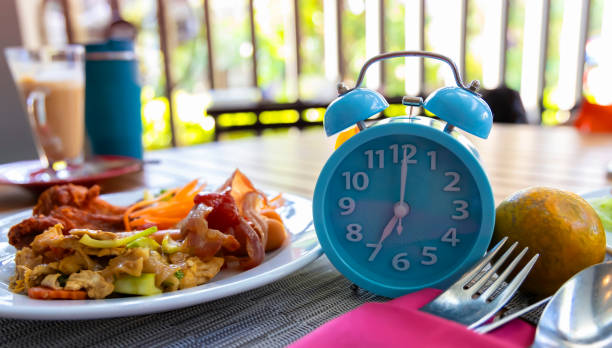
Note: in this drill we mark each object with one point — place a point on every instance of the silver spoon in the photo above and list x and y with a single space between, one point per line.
580 312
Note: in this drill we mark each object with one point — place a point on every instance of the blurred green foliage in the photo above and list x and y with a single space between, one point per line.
394 41
551 72
271 39
514 42
474 27
311 27
230 31
353 38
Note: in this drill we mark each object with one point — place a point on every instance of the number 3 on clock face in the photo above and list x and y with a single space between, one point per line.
404 211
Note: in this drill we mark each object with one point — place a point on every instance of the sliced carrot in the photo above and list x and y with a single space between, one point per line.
183 192
133 207
156 219
276 202
275 198
179 207
41 293
165 210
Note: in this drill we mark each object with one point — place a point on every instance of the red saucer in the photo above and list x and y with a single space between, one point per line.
30 174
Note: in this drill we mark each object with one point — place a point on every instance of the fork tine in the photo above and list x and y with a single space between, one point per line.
507 293
487 293
478 267
485 278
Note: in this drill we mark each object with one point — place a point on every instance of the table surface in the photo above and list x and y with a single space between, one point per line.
514 157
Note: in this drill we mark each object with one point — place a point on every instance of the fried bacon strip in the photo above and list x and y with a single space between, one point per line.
201 240
250 210
253 244
224 216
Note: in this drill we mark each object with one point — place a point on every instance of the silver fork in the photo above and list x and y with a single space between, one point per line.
472 305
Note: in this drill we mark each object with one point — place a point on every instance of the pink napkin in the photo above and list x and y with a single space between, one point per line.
399 323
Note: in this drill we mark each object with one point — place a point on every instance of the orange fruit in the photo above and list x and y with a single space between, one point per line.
561 226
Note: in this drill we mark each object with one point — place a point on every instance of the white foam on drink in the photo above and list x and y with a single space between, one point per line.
58 72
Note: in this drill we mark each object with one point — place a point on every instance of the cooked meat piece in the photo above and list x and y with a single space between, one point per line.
51 238
75 196
27 257
22 234
130 262
71 205
95 285
197 272
74 263
202 241
96 234
220 212
251 205
58 195
158 236
51 281
73 217
178 258
163 272
248 237
101 252
40 271
26 277
17 281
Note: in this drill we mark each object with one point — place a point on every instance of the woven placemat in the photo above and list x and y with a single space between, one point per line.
271 316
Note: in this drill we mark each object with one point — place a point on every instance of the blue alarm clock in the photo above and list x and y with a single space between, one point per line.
405 204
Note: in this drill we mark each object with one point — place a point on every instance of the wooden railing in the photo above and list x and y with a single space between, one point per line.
535 50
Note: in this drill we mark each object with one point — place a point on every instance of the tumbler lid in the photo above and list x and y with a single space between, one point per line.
112 49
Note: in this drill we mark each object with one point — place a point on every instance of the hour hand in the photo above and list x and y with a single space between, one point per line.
386 232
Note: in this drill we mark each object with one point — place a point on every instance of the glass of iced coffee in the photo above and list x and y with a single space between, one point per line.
51 83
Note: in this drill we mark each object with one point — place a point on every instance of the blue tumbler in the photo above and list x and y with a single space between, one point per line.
112 99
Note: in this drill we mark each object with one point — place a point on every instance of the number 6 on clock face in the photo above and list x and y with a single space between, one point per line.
407 208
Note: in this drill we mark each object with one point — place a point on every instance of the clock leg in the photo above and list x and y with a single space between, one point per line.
354 288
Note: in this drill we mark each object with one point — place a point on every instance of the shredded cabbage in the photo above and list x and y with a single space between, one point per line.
115 243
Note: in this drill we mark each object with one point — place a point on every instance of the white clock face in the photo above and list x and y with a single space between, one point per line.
403 209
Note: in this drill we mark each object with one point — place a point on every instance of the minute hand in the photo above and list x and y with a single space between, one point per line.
404 174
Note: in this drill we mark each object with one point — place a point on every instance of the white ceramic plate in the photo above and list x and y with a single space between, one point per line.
605 192
302 249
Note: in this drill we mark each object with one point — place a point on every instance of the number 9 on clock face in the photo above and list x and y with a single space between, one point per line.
402 212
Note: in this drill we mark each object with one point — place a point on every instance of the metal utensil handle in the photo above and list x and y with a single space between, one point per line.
494 325
423 54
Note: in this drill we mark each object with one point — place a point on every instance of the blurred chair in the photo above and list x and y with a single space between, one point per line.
506 105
